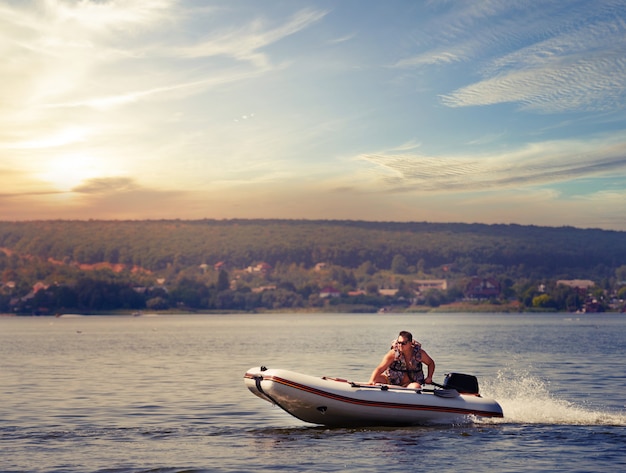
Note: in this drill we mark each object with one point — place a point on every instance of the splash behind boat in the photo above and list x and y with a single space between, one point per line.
342 403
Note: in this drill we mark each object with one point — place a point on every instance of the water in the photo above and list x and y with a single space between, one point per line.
166 394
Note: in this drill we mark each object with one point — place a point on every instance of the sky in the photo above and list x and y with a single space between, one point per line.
488 111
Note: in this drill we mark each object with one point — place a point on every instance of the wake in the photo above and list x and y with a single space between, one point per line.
526 400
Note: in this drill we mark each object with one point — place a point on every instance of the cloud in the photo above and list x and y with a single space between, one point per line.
534 164
59 138
433 57
99 16
246 42
177 89
545 59
106 185
106 198
342 39
68 46
467 31
583 81
52 49
15 183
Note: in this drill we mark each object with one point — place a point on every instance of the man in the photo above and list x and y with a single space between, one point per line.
402 365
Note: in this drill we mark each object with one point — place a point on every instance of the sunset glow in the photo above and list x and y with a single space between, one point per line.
493 112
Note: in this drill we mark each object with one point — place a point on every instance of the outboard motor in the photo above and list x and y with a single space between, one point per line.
463 383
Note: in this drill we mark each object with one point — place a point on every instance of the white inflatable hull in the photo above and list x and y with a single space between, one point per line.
341 403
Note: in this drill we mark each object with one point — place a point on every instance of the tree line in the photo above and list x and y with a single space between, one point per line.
357 255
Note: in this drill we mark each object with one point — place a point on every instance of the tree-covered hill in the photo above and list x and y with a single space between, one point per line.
515 250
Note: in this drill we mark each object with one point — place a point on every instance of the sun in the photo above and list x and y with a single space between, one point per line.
66 172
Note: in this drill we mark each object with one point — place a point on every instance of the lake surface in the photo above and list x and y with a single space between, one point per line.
166 394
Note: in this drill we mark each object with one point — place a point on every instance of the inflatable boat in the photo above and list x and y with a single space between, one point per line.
338 402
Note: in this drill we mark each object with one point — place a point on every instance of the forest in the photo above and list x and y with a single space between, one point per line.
54 266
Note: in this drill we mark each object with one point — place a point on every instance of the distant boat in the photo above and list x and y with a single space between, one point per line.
142 314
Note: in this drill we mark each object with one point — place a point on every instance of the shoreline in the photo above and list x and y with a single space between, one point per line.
456 308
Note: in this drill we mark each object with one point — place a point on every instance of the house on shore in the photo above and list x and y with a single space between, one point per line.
581 286
423 285
482 288
329 292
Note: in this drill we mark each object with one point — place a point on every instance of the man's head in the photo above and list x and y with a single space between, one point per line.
405 338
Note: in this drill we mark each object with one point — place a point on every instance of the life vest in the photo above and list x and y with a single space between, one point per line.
398 368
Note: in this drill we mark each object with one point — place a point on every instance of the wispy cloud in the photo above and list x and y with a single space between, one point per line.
534 164
106 185
545 58
584 80
107 15
246 42
69 45
177 90
53 48
430 58
342 39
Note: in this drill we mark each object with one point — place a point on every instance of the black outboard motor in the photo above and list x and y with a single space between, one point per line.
463 383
